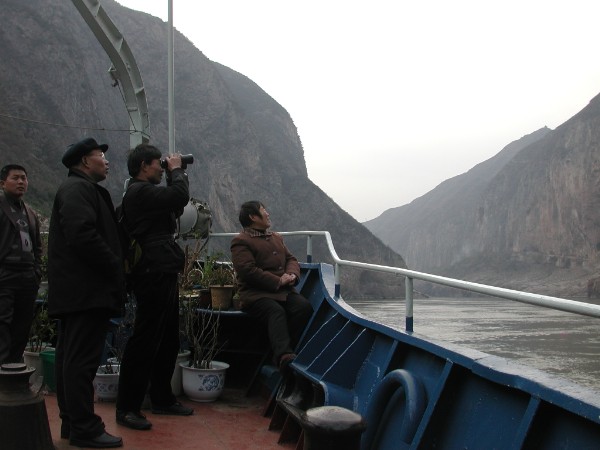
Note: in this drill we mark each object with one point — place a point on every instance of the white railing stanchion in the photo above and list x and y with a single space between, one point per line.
309 248
409 304
338 288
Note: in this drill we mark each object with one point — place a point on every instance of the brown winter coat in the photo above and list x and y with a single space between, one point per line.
259 262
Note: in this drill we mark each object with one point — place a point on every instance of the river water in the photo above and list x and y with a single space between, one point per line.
556 342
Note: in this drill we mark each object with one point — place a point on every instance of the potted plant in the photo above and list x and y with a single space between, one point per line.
200 323
106 382
203 378
41 336
189 284
221 281
207 275
43 328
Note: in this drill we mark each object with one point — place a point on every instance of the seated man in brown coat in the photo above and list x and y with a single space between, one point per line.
267 273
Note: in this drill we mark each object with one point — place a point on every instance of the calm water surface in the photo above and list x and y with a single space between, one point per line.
556 342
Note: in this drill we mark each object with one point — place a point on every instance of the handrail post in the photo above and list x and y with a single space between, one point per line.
409 304
309 248
337 280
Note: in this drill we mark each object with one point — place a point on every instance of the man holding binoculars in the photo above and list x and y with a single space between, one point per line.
150 212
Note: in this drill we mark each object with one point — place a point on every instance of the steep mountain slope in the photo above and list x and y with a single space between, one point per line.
54 75
528 218
447 210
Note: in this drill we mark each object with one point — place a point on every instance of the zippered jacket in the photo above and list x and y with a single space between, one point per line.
8 230
85 266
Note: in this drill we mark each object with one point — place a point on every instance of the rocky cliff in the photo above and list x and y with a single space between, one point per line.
56 90
528 218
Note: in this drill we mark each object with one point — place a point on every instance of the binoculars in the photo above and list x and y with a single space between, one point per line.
185 160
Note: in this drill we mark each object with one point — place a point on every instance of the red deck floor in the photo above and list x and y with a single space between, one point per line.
232 422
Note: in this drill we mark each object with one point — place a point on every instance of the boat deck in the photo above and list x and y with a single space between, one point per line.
234 421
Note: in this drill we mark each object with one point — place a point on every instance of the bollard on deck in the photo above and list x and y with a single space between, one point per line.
332 428
23 417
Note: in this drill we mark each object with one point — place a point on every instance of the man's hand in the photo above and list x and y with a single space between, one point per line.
173 162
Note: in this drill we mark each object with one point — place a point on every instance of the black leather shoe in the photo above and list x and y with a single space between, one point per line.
135 420
176 409
105 440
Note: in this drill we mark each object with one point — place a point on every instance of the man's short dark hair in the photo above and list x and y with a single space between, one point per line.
6 169
142 153
251 208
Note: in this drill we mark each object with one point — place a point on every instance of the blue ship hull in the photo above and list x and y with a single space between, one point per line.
419 394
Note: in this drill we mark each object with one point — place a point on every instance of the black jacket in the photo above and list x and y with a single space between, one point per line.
85 267
150 213
8 230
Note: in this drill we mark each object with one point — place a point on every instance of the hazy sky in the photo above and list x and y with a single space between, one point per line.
393 97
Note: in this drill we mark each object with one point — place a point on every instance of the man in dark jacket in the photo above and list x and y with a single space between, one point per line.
20 263
267 273
150 213
85 288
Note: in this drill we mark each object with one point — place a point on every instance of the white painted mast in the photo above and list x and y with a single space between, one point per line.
170 82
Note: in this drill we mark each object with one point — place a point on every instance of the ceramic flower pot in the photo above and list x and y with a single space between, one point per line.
33 359
203 385
106 382
221 297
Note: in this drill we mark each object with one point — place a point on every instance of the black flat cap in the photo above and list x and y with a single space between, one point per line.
75 151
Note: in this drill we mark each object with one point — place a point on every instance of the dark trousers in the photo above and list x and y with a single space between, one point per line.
81 340
151 351
18 291
285 321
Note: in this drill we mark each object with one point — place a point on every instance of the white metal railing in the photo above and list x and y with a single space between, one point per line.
546 301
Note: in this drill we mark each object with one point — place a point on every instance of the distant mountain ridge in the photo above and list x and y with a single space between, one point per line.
528 218
428 215
55 89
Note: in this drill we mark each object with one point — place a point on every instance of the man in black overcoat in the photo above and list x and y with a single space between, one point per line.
86 288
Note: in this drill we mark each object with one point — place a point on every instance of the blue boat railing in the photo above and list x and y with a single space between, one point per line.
571 306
